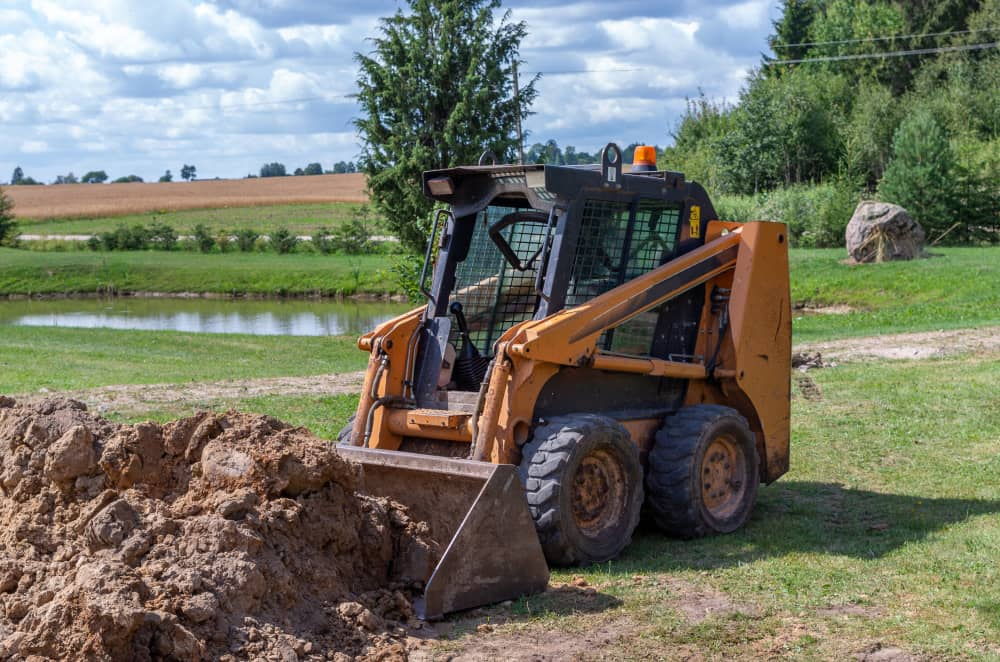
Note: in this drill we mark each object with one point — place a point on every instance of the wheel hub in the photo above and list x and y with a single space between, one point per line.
723 476
598 492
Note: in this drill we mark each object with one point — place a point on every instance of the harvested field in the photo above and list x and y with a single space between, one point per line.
92 200
221 536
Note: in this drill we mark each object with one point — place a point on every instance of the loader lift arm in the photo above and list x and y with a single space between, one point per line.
570 336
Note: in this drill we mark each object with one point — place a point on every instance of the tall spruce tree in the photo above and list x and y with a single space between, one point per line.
790 30
921 176
435 92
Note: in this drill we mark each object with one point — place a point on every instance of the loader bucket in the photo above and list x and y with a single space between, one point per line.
478 515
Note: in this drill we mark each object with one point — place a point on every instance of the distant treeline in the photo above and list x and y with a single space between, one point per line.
187 173
550 153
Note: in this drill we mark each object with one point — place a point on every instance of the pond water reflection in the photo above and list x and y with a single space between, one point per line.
255 317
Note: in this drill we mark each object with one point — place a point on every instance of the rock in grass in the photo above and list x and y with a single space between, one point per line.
880 232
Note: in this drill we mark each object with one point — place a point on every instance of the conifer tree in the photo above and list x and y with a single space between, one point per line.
922 174
436 91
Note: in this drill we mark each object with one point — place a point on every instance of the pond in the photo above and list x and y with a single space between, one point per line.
255 317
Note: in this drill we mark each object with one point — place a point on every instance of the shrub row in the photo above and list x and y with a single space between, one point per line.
352 238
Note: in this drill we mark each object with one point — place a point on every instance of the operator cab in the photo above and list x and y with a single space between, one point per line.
521 242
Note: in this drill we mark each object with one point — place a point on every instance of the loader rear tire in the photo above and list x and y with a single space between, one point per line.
583 481
703 472
346 435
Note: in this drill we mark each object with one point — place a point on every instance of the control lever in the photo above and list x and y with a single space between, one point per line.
469 351
470 366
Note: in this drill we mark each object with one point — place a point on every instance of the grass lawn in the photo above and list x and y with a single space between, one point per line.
31 272
300 218
958 288
66 359
886 529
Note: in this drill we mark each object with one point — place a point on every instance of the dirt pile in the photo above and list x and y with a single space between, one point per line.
214 537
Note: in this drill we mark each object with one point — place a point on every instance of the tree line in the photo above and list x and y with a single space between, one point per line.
920 130
804 141
18 178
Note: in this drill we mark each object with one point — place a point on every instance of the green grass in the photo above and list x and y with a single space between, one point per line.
323 415
958 288
63 358
31 272
302 219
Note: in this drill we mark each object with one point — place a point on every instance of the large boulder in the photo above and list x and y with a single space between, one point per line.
881 231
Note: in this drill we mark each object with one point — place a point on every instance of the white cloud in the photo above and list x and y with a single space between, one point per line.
752 14
34 147
133 87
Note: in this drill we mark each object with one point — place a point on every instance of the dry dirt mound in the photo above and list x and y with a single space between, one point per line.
214 537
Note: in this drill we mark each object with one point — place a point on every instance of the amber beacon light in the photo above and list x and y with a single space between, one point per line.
644 159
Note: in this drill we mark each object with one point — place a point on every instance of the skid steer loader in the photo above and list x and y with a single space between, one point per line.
595 343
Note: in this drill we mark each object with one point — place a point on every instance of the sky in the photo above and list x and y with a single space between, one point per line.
139 87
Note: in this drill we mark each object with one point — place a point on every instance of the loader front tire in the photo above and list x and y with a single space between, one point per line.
583 481
703 472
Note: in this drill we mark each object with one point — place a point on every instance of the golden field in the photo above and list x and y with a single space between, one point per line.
98 200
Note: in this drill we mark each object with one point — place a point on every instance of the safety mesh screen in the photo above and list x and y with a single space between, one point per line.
614 247
599 250
654 236
493 294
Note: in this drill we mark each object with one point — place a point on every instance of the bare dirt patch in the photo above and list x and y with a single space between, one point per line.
839 611
879 652
222 537
594 623
125 398
809 389
593 637
697 603
835 309
925 345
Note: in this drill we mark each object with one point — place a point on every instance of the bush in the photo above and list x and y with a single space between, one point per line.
135 238
322 242
738 208
816 215
8 226
162 236
406 273
355 236
225 241
203 239
246 240
283 241
352 238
